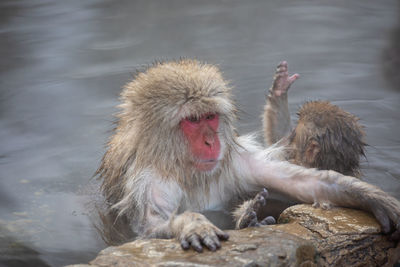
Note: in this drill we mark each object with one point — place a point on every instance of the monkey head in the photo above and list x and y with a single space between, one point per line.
328 138
173 115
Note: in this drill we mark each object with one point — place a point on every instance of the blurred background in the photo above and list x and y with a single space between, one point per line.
63 63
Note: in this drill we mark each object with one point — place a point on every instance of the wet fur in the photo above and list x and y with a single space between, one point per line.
150 112
326 137
338 134
148 175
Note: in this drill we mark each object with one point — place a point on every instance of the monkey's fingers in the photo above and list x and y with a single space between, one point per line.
209 242
195 243
260 200
282 81
292 78
216 241
210 238
396 235
264 192
221 234
395 217
282 66
387 213
383 219
248 220
269 220
185 244
254 223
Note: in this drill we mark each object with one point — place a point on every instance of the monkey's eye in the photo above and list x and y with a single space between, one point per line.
210 116
193 119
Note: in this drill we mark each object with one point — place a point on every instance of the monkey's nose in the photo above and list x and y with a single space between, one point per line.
209 141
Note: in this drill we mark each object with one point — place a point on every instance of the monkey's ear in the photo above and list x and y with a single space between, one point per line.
312 151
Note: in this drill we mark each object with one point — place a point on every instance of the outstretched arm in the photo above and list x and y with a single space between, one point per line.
327 188
276 118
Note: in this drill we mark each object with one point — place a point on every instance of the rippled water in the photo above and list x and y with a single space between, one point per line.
63 64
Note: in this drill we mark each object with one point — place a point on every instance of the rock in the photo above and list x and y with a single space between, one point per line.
249 247
342 237
306 237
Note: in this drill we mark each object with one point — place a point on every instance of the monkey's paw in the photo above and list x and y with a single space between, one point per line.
250 209
282 80
322 205
387 211
201 232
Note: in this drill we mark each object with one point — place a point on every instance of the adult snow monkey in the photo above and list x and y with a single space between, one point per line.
175 153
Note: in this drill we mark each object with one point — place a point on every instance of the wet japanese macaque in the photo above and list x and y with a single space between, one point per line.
175 153
326 137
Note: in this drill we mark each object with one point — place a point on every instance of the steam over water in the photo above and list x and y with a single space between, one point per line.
63 64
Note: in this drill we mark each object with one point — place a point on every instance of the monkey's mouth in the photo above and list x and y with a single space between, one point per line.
206 164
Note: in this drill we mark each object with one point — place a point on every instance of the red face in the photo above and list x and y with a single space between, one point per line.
203 139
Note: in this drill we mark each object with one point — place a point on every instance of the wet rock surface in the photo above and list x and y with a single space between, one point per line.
342 237
306 236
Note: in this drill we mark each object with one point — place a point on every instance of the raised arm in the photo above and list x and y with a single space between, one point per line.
276 118
327 188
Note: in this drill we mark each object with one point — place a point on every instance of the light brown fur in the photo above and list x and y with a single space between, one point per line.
147 102
328 138
149 175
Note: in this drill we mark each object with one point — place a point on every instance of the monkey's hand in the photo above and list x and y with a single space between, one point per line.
246 214
282 80
387 211
194 230
276 119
